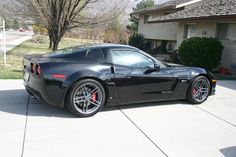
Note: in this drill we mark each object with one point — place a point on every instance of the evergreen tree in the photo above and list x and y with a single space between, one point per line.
133 26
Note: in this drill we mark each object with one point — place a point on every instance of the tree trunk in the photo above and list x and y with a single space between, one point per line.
50 43
56 38
55 45
50 39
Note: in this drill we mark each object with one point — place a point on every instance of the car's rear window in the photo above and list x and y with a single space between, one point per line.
92 55
63 52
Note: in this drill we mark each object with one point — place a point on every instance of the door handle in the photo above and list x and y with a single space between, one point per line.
129 77
112 70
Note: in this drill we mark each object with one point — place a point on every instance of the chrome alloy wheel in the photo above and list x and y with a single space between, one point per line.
201 90
87 98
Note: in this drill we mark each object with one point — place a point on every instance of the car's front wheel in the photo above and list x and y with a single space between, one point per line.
198 90
86 98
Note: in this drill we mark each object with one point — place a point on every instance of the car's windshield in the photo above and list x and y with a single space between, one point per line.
155 59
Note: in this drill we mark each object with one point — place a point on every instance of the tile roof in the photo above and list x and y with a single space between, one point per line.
209 8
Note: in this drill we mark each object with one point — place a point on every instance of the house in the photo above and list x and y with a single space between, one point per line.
192 18
159 33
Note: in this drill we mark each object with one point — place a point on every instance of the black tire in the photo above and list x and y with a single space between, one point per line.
80 87
192 96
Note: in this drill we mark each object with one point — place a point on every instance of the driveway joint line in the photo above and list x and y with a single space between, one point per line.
142 132
221 119
26 121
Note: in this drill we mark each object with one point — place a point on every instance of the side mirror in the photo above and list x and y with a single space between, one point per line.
155 68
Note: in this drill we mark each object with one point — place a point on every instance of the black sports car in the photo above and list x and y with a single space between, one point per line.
87 78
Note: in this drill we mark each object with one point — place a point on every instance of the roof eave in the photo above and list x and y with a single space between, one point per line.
194 18
156 10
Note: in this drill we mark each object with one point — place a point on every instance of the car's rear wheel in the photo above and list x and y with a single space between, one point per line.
198 90
86 98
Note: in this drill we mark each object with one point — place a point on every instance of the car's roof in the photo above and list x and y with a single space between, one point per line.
104 45
110 45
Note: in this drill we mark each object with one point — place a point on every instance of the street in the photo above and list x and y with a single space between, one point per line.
30 128
14 38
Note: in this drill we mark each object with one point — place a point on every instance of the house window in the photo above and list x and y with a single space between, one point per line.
146 18
222 31
189 31
226 31
151 44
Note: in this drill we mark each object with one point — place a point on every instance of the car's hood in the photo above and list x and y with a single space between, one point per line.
178 68
172 64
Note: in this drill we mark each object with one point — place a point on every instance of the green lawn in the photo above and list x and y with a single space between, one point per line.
36 45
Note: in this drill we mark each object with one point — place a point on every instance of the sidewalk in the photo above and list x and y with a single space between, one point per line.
30 128
13 43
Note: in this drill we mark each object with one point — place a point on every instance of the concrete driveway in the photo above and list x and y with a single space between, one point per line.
29 128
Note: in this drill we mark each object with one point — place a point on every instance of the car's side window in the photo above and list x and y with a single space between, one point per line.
131 58
95 55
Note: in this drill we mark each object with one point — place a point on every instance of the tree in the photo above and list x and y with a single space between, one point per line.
15 24
137 40
4 13
59 16
114 32
133 26
144 4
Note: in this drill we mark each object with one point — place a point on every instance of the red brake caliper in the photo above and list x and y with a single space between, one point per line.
194 90
94 97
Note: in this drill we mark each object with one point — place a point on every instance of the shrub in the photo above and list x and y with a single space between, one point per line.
39 30
154 51
201 52
137 40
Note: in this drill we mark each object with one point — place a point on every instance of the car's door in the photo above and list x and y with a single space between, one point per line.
133 81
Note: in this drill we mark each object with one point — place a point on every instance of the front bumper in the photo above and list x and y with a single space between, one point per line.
213 87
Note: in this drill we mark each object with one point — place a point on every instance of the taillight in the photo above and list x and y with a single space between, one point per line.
38 70
59 76
32 67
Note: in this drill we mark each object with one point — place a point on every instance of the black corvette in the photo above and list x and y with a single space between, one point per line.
87 78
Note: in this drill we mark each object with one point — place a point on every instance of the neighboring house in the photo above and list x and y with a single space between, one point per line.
197 18
159 33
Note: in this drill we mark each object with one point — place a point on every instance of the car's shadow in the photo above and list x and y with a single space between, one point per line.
19 102
229 152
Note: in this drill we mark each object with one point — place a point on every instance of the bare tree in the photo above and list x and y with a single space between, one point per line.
59 16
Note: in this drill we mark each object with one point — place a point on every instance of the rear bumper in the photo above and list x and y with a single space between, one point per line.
33 93
50 91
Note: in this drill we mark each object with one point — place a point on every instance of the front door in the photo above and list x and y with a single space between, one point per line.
133 83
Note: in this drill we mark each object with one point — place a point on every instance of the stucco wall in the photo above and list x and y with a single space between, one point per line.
210 27
160 31
229 54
